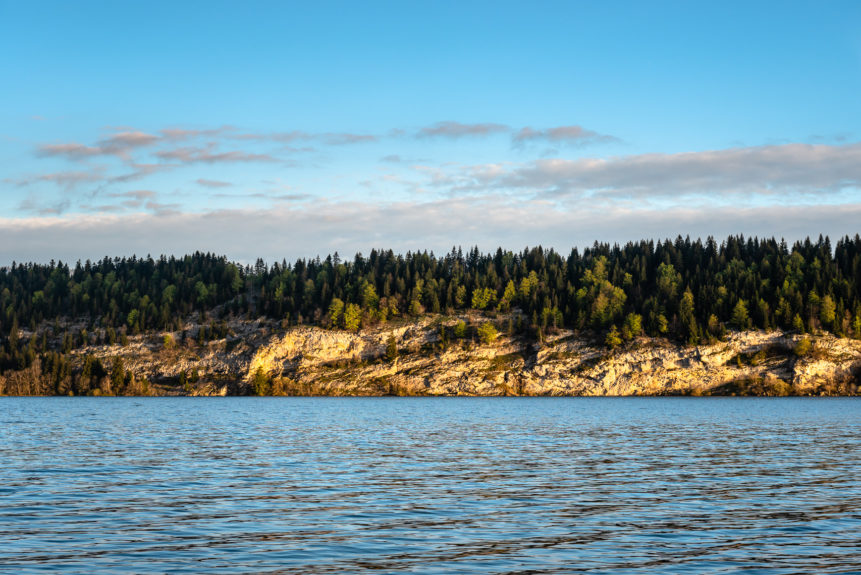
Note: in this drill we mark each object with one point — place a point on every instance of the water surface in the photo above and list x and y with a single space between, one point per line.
430 485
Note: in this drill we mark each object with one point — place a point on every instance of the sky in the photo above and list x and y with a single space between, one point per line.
284 130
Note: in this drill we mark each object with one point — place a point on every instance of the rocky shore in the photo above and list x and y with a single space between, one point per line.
748 363
413 359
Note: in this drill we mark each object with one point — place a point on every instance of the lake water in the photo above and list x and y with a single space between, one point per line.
430 485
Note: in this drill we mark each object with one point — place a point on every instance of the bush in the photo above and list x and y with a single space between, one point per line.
352 317
633 326
613 339
169 342
487 333
803 347
261 383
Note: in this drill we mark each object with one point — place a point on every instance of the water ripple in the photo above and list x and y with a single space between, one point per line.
424 485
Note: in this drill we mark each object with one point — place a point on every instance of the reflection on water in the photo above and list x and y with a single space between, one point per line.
326 485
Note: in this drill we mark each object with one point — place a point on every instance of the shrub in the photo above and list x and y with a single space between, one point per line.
613 339
352 317
261 383
487 333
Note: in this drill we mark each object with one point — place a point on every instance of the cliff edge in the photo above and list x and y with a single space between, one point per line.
418 358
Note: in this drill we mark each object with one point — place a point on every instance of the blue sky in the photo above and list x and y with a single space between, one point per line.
286 130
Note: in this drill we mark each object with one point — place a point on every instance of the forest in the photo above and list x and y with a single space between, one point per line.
687 290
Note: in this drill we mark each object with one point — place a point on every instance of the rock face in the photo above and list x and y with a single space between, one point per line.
760 363
309 360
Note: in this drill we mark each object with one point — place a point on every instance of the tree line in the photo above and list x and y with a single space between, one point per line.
689 290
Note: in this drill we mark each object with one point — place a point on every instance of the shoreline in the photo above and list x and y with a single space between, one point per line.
414 358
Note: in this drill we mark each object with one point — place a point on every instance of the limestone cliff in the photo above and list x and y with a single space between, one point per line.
309 360
762 363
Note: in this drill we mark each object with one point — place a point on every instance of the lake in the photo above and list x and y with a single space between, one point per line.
430 485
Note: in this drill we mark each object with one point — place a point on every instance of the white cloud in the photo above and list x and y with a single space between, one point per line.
139 195
119 144
456 130
67 180
321 228
577 135
208 155
763 171
72 151
212 183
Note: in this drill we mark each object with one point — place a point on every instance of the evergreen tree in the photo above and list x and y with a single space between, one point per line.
391 349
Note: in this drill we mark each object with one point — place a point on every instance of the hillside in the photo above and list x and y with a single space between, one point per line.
646 317
429 356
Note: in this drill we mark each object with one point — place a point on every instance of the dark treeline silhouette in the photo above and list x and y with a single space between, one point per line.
688 290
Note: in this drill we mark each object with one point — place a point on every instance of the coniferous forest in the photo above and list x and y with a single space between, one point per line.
689 291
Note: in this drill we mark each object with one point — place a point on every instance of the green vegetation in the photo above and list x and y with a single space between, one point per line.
487 333
613 338
803 347
690 291
769 352
633 326
352 317
391 349
261 383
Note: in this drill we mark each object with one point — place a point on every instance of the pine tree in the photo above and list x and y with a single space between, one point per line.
391 349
